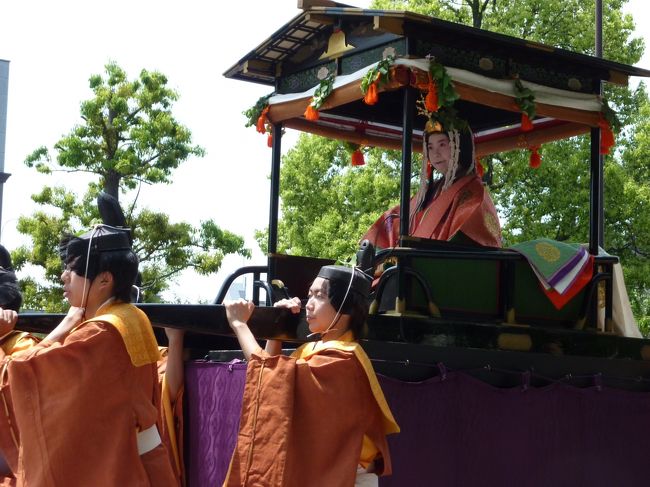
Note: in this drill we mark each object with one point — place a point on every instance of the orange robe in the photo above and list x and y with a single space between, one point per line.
304 418
80 404
171 411
465 207
10 344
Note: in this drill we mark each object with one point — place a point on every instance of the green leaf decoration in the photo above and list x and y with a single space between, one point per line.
525 99
610 115
447 94
379 73
324 90
254 112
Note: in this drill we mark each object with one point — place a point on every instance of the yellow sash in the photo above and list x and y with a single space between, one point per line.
346 344
136 331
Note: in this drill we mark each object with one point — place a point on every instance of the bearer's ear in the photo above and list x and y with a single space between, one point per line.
105 278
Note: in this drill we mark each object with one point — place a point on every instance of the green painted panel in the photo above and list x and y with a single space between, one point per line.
355 61
304 80
461 284
530 301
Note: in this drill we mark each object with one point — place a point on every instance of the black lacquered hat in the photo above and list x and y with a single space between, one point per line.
360 282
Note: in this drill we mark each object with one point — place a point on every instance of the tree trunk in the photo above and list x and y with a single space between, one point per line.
112 184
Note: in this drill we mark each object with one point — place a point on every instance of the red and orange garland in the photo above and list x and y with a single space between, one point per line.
257 115
356 153
321 93
535 157
525 100
357 158
379 75
606 121
431 100
440 89
606 135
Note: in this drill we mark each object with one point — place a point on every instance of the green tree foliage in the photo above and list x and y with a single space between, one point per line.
128 136
552 201
327 204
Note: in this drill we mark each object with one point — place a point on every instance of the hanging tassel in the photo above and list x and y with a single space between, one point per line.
269 140
371 96
311 113
261 121
429 171
606 135
357 158
535 157
479 168
526 124
431 100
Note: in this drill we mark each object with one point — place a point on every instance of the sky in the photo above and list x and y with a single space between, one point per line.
54 47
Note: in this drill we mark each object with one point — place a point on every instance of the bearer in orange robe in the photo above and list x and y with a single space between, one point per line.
319 417
86 399
11 342
455 206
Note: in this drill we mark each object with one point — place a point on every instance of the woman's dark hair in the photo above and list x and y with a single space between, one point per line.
355 305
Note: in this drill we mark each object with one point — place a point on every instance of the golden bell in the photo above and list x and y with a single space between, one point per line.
336 45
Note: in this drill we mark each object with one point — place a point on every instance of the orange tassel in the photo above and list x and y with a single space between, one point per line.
371 96
261 121
357 158
269 140
606 136
535 157
526 124
431 100
429 171
311 113
479 168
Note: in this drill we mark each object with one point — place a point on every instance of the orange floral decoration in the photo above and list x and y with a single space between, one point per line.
371 97
357 158
261 121
535 157
311 113
431 100
606 135
269 140
526 124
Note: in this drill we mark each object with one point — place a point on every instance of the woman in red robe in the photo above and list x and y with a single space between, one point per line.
454 206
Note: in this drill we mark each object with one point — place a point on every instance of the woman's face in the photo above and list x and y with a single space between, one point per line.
319 310
73 286
439 152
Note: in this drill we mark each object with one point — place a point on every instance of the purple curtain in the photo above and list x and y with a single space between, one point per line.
213 393
459 431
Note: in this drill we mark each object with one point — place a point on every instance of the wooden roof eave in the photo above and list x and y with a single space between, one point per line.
498 94
578 122
394 21
516 140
